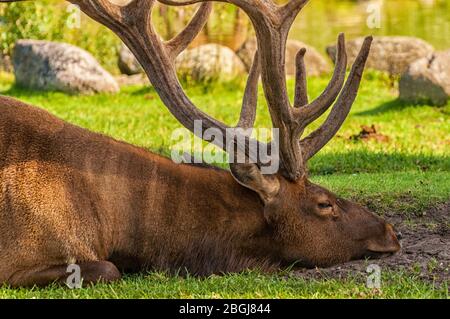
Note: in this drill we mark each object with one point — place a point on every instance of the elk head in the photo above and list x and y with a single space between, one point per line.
311 224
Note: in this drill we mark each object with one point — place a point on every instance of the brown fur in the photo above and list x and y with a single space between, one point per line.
72 196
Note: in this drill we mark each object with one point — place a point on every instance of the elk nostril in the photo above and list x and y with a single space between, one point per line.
399 235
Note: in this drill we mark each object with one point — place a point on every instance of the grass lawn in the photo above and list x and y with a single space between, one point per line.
406 174
247 285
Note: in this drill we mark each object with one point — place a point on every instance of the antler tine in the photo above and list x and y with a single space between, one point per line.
248 116
301 86
320 137
306 114
180 42
271 33
248 112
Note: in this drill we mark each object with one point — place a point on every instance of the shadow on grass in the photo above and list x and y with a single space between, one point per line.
375 162
18 92
396 105
143 91
364 162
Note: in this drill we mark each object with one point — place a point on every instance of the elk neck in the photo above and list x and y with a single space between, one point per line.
197 212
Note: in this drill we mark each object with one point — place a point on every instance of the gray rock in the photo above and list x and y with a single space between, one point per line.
315 63
45 65
135 79
389 53
427 80
127 63
202 63
209 62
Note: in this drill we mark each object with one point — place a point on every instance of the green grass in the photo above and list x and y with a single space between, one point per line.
407 174
246 285
401 192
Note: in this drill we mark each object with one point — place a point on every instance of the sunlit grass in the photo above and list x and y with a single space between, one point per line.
245 285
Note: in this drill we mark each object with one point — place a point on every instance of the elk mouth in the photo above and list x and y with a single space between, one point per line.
371 254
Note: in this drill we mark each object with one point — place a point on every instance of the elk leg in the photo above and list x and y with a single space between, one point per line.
91 272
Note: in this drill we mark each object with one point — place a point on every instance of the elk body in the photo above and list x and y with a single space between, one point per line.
72 196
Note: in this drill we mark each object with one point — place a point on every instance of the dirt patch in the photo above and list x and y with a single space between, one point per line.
369 133
425 250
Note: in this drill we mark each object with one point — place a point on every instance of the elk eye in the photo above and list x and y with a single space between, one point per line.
325 205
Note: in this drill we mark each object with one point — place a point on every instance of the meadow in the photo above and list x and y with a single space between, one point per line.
403 174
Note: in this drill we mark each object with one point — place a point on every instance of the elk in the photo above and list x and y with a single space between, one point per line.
73 196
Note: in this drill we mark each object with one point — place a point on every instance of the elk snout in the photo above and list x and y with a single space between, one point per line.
387 244
395 235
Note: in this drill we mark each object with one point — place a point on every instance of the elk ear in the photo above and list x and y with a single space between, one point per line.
250 176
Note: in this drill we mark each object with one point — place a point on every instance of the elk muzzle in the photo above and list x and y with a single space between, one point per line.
388 245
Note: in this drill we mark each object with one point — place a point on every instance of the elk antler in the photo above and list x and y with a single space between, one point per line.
272 23
132 23
317 139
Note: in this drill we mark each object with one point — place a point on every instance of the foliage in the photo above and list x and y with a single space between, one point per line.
56 21
31 20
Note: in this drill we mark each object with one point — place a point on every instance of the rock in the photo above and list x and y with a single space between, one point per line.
315 63
135 79
427 80
45 65
389 54
127 63
209 62
203 63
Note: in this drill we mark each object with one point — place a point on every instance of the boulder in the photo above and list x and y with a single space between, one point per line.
427 80
45 65
127 63
315 63
209 62
391 54
202 63
135 79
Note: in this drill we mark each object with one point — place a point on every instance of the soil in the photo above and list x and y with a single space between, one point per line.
370 133
425 250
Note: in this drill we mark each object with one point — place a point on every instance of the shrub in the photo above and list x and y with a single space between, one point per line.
51 20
